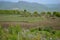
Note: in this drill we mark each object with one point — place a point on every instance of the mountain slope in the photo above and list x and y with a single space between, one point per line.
21 5
54 7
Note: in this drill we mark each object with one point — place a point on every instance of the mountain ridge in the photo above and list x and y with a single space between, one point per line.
22 5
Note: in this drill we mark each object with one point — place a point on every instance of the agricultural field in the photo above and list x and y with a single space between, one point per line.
23 25
18 18
29 19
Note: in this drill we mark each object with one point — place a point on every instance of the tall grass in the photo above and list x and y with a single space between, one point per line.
18 33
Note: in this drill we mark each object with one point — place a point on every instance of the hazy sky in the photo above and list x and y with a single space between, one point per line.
38 1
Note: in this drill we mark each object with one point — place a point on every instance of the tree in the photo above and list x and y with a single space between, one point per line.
24 13
42 13
35 14
27 14
57 14
49 14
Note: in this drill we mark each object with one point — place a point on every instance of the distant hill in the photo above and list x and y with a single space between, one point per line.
22 5
53 7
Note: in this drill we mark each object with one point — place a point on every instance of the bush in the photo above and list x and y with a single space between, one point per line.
57 14
48 28
16 33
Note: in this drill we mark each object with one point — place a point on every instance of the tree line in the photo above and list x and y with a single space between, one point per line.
25 13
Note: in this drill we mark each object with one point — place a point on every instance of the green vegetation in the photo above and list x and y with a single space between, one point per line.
25 13
18 33
18 18
16 15
56 14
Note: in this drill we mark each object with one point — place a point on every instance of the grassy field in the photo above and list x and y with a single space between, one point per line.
23 25
29 21
18 18
15 32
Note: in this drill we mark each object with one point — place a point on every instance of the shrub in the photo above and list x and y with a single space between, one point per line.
48 28
57 14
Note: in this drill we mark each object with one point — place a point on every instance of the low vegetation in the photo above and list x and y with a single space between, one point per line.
13 23
18 33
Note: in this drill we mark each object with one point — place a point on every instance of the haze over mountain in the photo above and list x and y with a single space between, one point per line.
30 6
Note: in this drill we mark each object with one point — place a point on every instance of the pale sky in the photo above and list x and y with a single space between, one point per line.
38 1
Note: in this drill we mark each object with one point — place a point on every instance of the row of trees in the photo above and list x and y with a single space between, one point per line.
25 13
